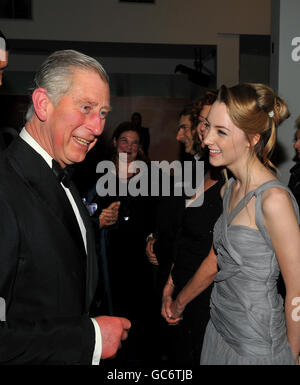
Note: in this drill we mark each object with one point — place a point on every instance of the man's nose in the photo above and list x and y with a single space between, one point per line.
180 135
96 124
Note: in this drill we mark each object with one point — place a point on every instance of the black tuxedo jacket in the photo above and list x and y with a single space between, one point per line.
46 277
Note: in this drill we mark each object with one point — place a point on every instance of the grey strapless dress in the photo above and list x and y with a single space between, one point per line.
247 325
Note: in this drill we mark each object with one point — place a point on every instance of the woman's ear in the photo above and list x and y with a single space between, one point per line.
254 139
114 142
40 102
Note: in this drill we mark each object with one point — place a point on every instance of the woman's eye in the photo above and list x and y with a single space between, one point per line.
222 132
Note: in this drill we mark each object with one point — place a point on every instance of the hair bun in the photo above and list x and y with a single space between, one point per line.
281 111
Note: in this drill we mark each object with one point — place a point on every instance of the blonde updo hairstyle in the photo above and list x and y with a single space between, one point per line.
255 109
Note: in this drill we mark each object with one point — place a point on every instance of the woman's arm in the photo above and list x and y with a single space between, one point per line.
282 225
203 277
167 297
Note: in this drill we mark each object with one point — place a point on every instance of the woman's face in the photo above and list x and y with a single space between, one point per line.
201 127
297 143
128 143
228 145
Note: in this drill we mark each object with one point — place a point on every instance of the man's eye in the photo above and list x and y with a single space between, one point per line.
86 109
103 114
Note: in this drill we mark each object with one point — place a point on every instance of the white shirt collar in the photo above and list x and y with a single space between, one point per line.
34 144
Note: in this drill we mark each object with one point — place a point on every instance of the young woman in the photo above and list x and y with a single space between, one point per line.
256 236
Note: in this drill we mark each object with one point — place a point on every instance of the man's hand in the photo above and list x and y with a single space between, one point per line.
113 331
149 252
109 215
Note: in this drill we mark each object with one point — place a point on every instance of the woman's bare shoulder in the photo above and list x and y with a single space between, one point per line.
276 200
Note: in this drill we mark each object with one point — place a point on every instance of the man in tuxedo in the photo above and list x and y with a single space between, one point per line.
48 263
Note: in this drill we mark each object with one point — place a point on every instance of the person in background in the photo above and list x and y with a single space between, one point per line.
247 324
193 242
294 182
177 241
160 243
130 273
48 263
185 132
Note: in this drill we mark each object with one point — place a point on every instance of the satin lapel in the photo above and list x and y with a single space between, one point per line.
92 268
40 179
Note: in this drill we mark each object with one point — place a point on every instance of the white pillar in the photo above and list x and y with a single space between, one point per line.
285 73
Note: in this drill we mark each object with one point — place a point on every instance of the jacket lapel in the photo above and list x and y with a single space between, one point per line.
40 179
91 268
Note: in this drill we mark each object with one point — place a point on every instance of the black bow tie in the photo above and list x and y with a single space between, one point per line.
64 175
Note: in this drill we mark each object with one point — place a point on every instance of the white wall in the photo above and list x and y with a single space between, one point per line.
286 75
166 22
199 22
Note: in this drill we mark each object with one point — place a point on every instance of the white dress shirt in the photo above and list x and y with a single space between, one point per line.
34 144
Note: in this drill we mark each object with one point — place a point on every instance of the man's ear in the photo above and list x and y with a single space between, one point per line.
40 102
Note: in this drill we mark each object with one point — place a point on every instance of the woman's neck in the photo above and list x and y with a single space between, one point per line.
251 175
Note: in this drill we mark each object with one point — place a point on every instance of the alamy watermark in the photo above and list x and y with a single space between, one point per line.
158 183
295 315
295 54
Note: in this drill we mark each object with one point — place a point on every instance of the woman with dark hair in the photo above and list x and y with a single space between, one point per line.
256 236
192 244
129 271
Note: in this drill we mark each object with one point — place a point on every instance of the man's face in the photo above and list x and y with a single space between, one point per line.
73 126
3 63
297 143
184 126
